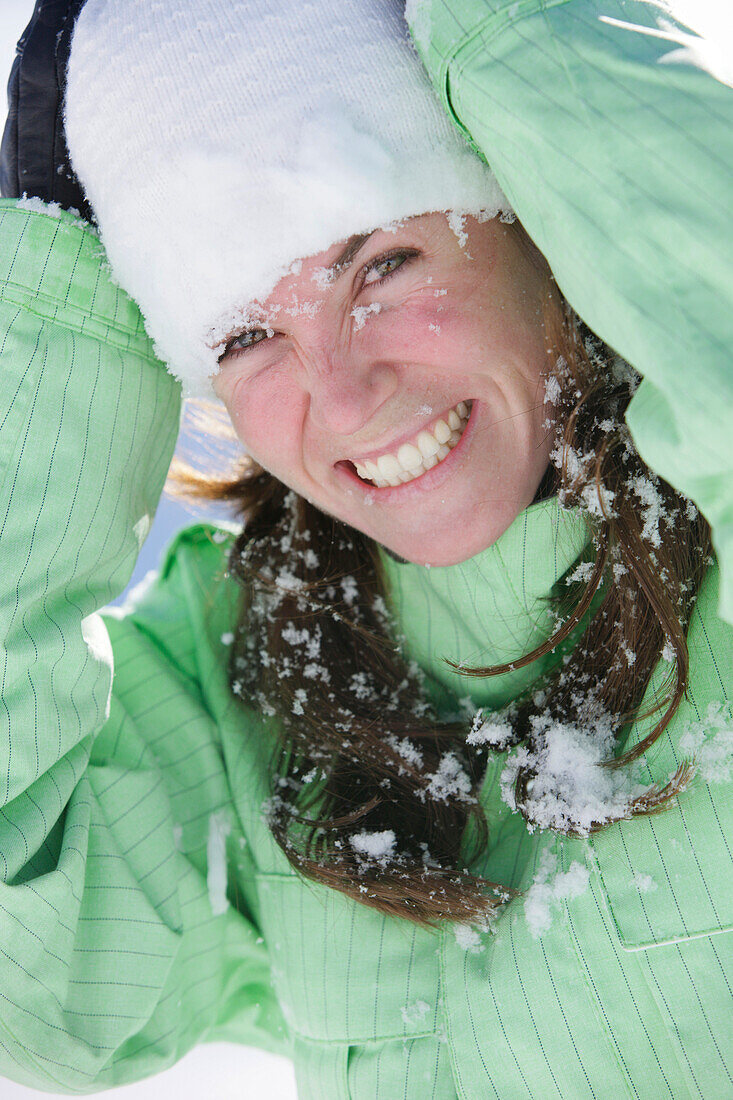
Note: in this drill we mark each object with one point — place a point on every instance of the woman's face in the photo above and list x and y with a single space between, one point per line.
402 391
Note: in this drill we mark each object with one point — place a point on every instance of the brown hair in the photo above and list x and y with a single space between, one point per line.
356 748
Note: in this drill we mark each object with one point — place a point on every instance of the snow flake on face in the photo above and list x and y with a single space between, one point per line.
361 313
549 889
456 223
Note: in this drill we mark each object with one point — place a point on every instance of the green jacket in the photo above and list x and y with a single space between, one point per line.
144 905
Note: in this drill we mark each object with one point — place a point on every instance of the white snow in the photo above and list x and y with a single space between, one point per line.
710 742
492 731
644 883
216 876
468 938
549 889
360 314
415 1013
379 847
450 780
295 161
571 788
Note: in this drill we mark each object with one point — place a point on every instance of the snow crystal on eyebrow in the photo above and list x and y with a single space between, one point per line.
377 846
323 277
450 780
216 876
360 314
711 743
303 309
489 731
549 889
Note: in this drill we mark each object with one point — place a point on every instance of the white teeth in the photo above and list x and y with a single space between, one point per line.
413 459
388 466
441 431
427 444
409 457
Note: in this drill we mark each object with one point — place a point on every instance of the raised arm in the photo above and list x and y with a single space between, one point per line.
116 952
609 125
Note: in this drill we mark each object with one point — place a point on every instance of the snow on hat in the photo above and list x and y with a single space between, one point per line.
219 141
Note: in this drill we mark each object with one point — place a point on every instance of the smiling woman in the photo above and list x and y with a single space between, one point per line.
418 773
369 376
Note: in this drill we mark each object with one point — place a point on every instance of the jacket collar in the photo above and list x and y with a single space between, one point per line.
489 609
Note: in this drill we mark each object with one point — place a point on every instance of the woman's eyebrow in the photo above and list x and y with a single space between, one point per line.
353 246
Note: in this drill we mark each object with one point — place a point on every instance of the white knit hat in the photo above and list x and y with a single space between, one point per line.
218 141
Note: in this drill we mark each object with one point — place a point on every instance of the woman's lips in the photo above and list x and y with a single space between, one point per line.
431 479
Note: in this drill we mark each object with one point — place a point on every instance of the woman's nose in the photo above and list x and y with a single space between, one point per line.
345 393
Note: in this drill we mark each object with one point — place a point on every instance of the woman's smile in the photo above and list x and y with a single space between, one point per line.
427 452
419 362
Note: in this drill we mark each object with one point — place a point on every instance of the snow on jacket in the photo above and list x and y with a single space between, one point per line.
145 906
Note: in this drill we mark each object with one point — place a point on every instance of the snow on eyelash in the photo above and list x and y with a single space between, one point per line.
359 313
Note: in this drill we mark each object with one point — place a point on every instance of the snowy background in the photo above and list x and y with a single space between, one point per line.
217 1071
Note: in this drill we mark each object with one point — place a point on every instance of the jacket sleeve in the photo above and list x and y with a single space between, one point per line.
609 124
117 952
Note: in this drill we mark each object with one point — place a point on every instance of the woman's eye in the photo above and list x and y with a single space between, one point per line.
247 340
385 266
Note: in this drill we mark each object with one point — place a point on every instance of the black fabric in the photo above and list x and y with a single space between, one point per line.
34 158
